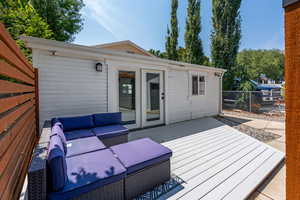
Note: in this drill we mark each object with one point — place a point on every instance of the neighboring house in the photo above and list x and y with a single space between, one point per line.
147 90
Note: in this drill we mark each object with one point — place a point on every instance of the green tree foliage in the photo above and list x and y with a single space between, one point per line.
63 17
193 44
181 54
19 17
158 53
257 62
172 35
225 37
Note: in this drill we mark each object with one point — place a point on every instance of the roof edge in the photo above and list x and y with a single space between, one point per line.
286 3
45 44
124 42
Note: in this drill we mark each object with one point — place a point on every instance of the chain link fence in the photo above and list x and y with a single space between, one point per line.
268 102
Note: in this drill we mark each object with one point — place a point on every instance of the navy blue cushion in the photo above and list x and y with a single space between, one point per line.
110 131
138 154
104 119
76 134
88 172
56 161
74 123
84 145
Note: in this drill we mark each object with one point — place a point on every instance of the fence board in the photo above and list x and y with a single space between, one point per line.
7 162
8 55
10 87
9 71
4 36
9 119
11 102
15 166
19 114
8 137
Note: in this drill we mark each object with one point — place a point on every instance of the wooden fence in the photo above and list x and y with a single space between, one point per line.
292 91
18 118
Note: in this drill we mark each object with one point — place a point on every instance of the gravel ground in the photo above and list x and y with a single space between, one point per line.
259 134
270 117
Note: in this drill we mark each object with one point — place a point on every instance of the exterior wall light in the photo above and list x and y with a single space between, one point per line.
98 67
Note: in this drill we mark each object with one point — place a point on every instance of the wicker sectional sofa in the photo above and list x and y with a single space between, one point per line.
89 157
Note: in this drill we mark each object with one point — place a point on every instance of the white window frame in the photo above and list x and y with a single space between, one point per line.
195 94
204 90
199 93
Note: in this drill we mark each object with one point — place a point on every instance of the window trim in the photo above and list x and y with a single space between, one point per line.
197 82
204 82
198 75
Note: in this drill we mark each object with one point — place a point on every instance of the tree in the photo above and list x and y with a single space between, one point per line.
225 37
63 17
258 62
158 53
19 17
193 44
181 54
172 35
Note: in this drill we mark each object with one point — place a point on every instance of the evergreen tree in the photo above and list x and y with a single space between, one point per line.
172 36
193 44
225 37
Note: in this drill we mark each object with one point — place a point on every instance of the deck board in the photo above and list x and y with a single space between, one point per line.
217 162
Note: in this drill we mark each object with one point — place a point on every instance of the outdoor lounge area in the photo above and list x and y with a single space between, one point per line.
210 161
88 157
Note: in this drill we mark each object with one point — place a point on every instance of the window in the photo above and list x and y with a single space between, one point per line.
195 85
201 85
198 85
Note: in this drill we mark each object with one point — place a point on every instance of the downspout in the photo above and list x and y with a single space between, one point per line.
221 94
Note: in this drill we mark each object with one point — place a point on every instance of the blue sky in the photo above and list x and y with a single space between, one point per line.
145 23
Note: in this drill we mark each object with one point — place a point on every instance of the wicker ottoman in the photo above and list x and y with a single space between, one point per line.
147 164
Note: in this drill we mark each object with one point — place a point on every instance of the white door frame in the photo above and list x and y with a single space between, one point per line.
114 88
144 122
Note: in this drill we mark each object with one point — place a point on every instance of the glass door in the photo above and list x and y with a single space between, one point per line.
127 96
152 97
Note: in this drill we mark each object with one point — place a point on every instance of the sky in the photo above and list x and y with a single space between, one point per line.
145 22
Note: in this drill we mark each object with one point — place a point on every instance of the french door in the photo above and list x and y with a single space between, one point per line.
153 98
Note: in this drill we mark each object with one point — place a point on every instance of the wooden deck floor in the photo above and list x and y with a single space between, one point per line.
216 162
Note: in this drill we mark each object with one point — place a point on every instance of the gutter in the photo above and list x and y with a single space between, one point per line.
96 53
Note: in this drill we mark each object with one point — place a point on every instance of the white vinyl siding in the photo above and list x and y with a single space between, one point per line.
70 87
178 95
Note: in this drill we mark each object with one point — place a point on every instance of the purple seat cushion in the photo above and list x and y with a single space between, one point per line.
75 123
141 153
110 131
57 130
84 145
56 161
76 134
89 171
104 119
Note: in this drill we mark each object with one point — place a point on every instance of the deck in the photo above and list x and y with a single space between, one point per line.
214 160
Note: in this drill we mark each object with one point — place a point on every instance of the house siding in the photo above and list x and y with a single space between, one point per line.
182 105
70 87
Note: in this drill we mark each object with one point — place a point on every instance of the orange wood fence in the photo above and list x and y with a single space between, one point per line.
292 77
18 118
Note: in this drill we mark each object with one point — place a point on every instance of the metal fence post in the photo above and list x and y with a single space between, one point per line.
250 101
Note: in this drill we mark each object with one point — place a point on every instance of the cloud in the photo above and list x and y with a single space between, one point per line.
108 15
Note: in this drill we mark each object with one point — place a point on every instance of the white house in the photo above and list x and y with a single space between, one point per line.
78 80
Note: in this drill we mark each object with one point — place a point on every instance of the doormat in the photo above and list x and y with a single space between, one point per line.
162 189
